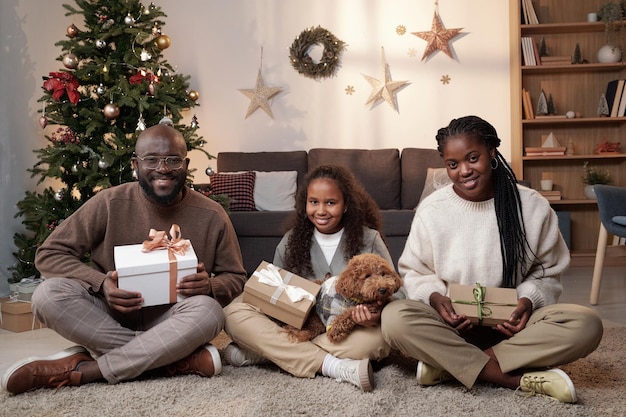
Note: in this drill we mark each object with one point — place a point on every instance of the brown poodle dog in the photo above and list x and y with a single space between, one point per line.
368 279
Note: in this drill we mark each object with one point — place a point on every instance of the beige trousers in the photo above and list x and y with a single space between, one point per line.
555 335
254 331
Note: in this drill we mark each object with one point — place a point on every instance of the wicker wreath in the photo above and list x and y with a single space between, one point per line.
303 63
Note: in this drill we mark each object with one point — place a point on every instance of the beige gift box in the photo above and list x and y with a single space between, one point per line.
485 306
269 288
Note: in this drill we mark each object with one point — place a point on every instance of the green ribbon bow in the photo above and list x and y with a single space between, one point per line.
482 310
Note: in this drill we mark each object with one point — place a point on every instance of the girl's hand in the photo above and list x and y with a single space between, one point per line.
362 316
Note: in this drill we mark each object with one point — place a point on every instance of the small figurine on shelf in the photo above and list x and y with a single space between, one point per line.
603 107
607 147
577 59
569 150
542 104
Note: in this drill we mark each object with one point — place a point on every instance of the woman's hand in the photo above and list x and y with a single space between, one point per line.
443 305
195 284
519 318
120 300
362 315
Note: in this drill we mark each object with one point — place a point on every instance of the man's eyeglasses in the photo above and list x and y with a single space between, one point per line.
152 162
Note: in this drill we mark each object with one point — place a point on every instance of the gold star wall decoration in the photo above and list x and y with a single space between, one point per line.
445 79
260 96
384 88
438 37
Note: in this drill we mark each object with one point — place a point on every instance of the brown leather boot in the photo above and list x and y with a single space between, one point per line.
204 361
52 371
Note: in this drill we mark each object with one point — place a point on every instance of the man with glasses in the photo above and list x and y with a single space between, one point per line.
83 303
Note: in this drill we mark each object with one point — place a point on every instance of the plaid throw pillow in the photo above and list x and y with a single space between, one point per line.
238 187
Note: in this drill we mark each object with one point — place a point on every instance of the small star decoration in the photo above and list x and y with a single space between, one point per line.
438 37
445 79
260 95
384 89
349 90
412 52
400 30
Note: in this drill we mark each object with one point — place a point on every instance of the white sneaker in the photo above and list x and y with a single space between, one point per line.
236 356
357 372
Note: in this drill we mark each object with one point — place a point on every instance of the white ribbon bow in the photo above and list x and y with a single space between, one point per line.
271 276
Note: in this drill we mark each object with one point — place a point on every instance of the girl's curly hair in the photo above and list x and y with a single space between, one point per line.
361 210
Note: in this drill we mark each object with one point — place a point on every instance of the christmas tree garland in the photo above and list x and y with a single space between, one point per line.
303 63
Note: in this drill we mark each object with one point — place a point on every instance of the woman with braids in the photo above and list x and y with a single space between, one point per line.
335 219
485 228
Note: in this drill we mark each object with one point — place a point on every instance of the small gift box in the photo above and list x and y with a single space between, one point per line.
17 316
485 306
281 294
155 267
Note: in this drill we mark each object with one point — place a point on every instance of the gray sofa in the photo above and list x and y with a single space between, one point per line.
395 179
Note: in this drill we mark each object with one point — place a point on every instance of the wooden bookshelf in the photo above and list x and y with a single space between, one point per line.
575 87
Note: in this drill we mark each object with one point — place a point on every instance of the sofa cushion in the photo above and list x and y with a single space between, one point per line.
263 161
238 187
413 162
275 190
378 170
435 179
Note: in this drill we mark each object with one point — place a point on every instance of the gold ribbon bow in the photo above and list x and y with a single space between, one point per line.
175 245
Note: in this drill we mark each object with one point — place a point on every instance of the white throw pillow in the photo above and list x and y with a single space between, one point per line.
275 190
435 179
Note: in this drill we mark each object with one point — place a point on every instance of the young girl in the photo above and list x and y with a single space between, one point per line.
334 220
484 228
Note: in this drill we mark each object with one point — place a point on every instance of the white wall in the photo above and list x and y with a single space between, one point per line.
218 43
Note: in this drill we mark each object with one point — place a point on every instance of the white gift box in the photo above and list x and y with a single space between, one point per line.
151 273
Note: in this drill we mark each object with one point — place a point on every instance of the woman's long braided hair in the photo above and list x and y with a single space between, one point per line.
361 210
514 246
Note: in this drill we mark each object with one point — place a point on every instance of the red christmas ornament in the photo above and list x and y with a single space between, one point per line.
43 122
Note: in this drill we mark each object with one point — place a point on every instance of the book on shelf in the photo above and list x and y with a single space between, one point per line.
527 105
545 151
556 60
529 15
528 51
551 195
551 116
613 95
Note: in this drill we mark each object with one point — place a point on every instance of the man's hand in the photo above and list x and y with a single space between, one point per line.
195 284
120 300
443 305
519 318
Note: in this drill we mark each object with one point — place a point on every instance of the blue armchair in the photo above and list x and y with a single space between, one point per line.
612 209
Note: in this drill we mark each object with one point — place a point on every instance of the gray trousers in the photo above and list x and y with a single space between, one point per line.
126 345
555 335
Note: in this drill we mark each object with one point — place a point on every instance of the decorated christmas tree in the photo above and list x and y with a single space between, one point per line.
112 84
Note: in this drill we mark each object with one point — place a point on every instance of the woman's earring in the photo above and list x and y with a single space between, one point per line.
492 164
134 174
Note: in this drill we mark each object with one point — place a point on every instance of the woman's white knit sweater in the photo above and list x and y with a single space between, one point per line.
457 241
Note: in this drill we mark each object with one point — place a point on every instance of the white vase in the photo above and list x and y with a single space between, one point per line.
608 54
590 193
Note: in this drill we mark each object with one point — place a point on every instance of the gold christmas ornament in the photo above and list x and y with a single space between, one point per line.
72 30
163 42
384 88
70 61
111 111
193 95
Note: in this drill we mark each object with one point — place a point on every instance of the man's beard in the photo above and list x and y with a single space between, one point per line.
160 199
